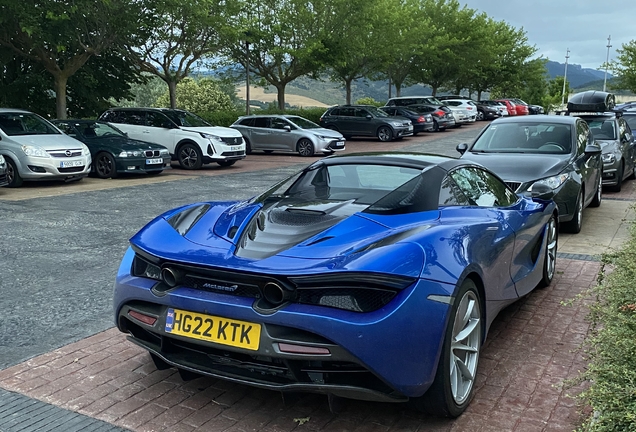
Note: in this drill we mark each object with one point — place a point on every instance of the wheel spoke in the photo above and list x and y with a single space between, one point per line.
468 330
464 370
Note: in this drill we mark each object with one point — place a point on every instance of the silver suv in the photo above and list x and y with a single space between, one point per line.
34 149
190 140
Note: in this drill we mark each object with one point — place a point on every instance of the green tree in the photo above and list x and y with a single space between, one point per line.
625 67
187 32
62 36
198 96
286 39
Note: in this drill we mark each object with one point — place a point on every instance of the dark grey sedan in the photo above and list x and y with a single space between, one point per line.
287 133
536 153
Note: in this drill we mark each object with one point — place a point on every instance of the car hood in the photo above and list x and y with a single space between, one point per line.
325 132
608 146
521 167
214 130
311 238
48 141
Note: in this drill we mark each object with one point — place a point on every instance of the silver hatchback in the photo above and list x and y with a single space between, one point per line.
287 133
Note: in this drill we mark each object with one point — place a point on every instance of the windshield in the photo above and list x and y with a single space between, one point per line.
525 138
377 112
185 118
303 123
602 129
97 130
14 124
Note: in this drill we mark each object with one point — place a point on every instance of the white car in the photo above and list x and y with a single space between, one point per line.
34 150
190 140
466 105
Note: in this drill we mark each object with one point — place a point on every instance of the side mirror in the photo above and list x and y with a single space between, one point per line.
592 149
541 191
287 128
461 148
369 116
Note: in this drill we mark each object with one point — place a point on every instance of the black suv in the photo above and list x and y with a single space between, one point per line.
365 120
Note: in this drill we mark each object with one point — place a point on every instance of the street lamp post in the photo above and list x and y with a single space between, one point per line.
565 76
609 39
247 77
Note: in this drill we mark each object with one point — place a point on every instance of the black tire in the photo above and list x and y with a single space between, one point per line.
226 163
385 134
480 116
619 179
442 399
435 126
104 165
13 176
248 146
190 156
268 151
574 226
598 196
154 173
550 257
305 147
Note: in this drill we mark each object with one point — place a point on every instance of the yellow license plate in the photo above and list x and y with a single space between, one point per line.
210 328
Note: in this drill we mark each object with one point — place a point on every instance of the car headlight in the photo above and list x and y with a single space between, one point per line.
608 158
34 151
211 137
1 160
552 182
164 152
85 150
130 153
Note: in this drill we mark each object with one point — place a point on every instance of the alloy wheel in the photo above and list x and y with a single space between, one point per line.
188 157
551 249
104 166
465 346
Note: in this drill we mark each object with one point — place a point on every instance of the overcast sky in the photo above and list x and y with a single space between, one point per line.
553 26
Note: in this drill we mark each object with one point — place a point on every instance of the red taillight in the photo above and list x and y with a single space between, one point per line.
440 113
421 119
146 319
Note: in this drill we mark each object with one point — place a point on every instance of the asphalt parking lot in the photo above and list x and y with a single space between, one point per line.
61 358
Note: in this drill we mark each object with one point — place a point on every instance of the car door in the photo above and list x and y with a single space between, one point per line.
283 134
365 123
260 134
589 167
132 122
346 121
627 144
488 239
159 129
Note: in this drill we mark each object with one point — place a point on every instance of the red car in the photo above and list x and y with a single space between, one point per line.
513 108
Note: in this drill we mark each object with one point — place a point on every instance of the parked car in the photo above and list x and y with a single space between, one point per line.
626 106
613 134
501 107
190 140
287 133
442 119
113 152
469 108
372 276
513 108
532 109
630 118
35 150
533 153
3 172
365 120
421 122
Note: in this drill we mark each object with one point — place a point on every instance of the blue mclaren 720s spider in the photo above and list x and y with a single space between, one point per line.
365 276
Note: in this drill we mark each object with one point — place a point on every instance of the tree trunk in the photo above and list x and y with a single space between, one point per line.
434 89
398 89
172 89
479 95
60 96
280 88
348 91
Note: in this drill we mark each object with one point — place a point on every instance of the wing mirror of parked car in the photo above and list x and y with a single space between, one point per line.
461 148
369 116
592 149
287 128
541 191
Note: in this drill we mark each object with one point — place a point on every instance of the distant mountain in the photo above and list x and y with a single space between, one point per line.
577 76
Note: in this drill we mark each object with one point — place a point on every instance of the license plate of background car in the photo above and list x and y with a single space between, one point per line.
154 161
215 329
340 144
235 148
70 164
